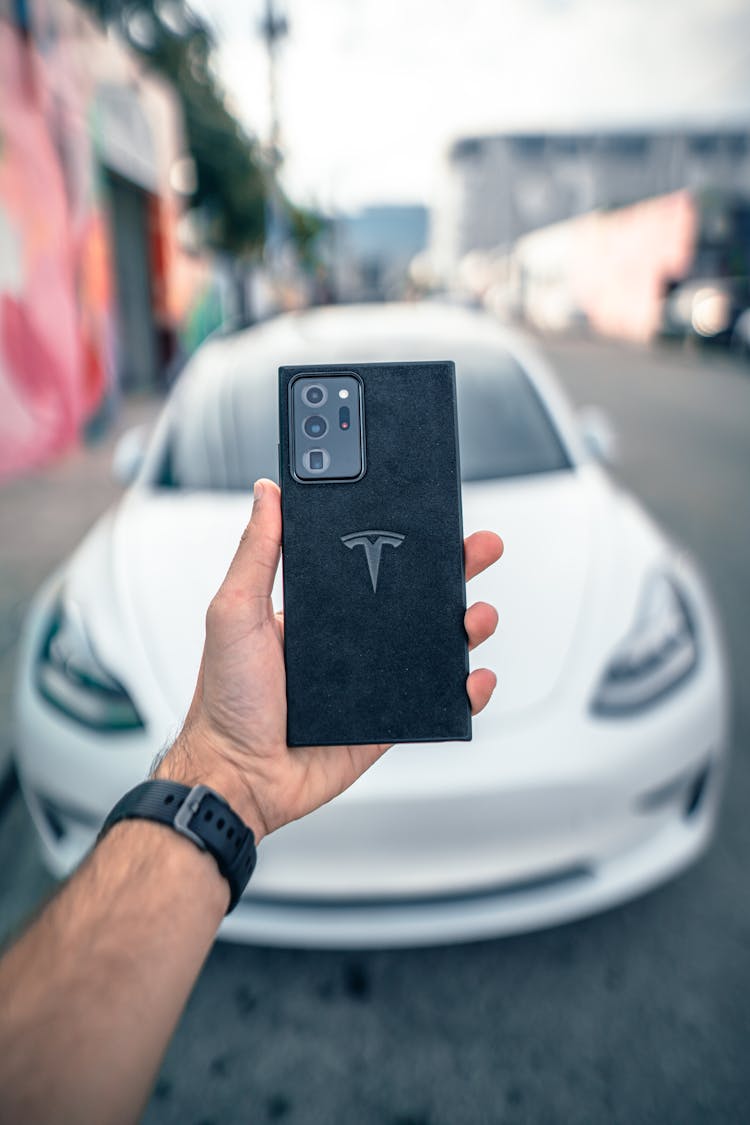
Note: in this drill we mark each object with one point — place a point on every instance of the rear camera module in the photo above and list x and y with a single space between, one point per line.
314 395
326 433
315 426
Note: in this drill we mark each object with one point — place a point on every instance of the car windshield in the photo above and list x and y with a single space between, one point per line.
223 426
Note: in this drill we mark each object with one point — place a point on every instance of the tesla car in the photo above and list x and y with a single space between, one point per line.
593 775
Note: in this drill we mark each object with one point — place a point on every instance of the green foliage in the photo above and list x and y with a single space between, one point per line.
230 183
306 228
230 180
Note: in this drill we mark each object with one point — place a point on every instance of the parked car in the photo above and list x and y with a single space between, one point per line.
702 309
741 335
595 772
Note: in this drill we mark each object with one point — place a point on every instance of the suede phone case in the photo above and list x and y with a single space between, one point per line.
384 664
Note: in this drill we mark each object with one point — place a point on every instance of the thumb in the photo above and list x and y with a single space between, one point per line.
256 560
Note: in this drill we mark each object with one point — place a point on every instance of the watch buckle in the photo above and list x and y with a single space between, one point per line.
189 808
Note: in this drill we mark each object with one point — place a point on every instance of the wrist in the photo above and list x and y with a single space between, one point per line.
194 760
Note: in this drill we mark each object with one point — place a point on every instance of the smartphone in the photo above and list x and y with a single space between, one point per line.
372 550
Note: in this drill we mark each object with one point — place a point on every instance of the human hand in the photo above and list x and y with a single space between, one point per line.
234 737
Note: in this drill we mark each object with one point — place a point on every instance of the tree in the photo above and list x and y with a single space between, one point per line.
230 187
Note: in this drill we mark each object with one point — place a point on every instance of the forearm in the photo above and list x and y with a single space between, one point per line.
90 996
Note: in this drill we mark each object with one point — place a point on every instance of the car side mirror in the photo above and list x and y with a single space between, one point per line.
129 453
598 435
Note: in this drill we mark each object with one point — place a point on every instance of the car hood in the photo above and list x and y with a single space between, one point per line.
166 553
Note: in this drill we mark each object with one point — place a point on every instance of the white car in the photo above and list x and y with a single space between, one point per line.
595 772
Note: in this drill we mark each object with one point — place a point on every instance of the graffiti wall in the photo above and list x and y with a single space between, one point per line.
95 294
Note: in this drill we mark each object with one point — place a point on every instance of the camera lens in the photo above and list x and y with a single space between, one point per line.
316 460
315 426
314 395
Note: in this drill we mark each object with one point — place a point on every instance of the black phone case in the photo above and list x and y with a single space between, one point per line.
387 664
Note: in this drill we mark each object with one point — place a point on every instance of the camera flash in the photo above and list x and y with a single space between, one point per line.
343 393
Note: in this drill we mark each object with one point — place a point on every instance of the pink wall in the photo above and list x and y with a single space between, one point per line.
624 258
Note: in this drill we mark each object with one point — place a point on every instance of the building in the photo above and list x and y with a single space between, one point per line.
675 264
498 188
96 293
371 251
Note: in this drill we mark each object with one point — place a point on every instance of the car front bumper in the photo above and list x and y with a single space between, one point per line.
538 821
561 895
517 842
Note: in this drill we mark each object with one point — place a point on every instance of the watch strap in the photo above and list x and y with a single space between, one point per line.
200 815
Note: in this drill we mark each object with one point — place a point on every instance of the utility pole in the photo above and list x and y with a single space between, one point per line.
273 28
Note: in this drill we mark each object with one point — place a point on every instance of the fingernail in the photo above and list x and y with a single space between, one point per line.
258 490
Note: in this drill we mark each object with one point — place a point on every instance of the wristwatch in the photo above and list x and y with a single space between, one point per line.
200 815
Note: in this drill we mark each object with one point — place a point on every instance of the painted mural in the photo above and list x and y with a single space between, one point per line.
76 119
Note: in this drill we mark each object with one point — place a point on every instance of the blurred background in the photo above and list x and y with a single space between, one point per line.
579 170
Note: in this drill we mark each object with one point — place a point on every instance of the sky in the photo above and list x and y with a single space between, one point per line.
372 92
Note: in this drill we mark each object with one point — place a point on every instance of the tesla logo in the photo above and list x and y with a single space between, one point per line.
373 543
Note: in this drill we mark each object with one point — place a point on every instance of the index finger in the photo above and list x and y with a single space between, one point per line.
481 550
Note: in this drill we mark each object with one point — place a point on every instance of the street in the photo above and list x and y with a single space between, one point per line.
637 1016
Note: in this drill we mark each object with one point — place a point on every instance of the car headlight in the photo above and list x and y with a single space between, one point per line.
658 653
70 676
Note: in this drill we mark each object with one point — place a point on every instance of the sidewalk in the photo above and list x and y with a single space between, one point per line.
42 517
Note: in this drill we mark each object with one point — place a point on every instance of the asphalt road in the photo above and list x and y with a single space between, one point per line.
640 1015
